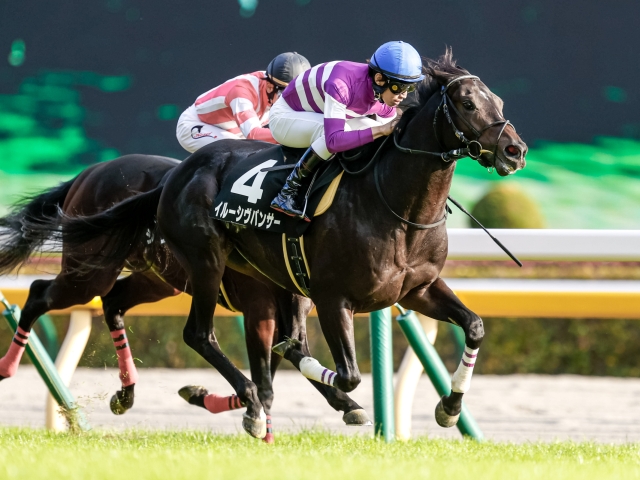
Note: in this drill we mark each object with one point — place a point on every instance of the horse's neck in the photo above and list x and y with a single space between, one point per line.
417 185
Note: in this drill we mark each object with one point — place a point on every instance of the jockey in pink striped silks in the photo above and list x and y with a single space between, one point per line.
239 108
329 109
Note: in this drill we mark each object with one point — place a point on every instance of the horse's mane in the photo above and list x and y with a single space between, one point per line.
444 67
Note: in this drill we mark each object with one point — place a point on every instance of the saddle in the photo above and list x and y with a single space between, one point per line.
246 193
245 198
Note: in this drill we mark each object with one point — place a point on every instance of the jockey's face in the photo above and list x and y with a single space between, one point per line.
277 91
388 97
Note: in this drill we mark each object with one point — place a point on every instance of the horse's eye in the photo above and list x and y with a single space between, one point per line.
468 105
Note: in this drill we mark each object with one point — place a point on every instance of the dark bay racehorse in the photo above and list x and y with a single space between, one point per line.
382 241
270 312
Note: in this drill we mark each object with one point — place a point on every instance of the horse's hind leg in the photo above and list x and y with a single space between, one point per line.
126 293
202 248
199 335
439 302
202 254
260 328
199 395
66 290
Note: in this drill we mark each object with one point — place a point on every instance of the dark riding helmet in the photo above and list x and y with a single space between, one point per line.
285 67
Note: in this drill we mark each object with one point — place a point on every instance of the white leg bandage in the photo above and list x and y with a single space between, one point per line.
461 381
311 368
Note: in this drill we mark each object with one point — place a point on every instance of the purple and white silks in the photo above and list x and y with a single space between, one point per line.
339 91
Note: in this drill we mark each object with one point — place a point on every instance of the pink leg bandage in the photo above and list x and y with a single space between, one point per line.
9 363
128 372
216 404
269 438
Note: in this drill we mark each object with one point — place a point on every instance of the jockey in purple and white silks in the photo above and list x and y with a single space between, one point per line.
338 106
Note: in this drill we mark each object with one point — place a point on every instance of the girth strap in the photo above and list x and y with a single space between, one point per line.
223 298
296 262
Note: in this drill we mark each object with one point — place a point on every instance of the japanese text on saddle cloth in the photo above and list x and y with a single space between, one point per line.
247 191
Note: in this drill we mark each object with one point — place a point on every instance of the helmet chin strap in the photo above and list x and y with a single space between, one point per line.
379 90
271 96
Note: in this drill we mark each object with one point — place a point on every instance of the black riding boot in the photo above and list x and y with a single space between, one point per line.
287 201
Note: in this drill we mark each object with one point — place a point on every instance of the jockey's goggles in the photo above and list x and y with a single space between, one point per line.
398 87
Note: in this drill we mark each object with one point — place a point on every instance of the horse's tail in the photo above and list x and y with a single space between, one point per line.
17 240
122 228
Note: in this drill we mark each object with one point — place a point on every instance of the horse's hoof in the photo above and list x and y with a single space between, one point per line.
122 400
256 427
443 418
194 394
116 407
288 344
357 418
269 438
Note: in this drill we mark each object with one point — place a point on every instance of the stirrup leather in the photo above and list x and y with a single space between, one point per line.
287 200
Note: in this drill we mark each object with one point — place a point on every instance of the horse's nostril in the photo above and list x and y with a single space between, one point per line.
513 151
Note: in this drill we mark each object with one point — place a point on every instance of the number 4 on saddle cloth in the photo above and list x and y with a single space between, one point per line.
246 193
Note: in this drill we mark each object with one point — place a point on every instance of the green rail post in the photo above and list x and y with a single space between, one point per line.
435 369
49 335
239 319
457 337
382 373
45 367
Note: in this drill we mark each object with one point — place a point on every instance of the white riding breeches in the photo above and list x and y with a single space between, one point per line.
194 134
306 129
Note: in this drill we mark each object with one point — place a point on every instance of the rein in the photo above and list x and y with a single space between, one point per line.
376 177
473 150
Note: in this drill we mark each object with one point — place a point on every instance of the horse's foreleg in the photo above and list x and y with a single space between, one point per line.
353 414
439 302
64 291
260 327
337 327
126 293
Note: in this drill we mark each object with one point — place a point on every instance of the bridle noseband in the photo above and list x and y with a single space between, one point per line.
474 148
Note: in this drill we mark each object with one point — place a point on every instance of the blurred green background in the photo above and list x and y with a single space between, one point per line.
43 141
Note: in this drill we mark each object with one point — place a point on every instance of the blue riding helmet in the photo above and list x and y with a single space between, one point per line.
398 61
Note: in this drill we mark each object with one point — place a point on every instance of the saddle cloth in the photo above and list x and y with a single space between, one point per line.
246 193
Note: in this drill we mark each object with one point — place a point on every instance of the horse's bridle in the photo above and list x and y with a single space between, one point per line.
474 148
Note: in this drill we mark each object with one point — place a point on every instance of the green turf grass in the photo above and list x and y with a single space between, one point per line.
138 455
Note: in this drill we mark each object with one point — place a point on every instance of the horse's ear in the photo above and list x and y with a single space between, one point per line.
440 76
